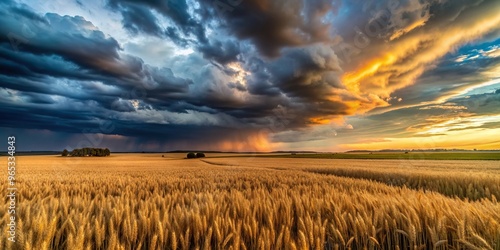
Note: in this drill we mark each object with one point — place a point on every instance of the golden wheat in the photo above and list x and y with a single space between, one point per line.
149 202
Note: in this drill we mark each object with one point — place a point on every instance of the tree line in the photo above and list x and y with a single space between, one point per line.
192 155
87 152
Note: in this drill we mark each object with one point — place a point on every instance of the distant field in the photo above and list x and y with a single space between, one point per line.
162 201
398 156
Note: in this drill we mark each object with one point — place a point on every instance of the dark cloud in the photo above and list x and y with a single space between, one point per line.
221 52
480 104
237 86
269 25
308 72
229 71
273 25
74 76
301 80
70 38
308 79
138 18
73 48
173 34
39 98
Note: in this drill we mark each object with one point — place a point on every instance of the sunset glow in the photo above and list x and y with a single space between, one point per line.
258 76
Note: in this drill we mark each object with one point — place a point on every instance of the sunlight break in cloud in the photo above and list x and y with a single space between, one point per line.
261 75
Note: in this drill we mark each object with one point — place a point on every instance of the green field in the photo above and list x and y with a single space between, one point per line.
402 156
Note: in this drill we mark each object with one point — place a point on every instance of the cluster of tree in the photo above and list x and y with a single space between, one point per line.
87 152
192 155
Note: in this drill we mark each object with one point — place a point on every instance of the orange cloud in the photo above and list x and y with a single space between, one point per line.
409 28
415 50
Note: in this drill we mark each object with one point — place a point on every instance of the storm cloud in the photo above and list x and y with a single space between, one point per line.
242 75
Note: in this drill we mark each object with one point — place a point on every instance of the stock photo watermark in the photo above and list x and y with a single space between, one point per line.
11 189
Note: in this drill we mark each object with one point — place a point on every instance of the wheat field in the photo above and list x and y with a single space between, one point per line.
144 201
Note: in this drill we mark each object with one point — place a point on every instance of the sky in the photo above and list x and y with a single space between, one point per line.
250 75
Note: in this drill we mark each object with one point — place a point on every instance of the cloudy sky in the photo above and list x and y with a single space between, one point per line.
250 75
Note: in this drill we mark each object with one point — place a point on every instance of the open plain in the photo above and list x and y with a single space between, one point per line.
146 201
